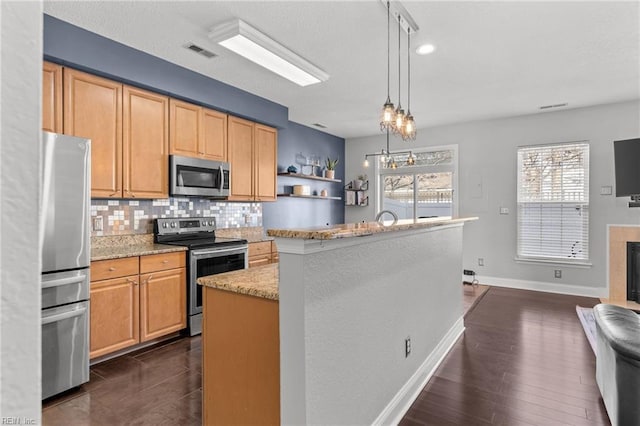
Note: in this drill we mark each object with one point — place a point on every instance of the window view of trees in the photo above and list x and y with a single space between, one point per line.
553 201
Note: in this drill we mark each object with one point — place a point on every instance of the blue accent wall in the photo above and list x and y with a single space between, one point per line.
70 45
303 212
74 46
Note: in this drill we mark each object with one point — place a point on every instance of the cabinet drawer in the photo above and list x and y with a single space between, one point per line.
256 249
161 262
114 268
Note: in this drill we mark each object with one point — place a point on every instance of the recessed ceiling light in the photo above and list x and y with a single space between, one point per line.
425 49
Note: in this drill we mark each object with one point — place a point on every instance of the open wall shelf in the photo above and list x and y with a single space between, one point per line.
312 177
317 197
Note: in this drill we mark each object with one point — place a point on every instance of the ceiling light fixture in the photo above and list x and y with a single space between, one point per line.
246 41
388 109
425 49
409 129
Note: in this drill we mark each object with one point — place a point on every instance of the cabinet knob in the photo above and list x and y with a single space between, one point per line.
148 279
115 193
134 282
165 261
111 269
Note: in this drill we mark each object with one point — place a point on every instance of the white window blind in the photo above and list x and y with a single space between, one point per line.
553 202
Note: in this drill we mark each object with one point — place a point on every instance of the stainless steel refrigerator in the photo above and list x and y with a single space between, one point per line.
65 210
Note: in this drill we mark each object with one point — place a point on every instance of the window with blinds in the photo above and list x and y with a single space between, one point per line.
553 202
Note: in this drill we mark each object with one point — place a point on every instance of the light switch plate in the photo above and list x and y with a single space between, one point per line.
504 210
606 190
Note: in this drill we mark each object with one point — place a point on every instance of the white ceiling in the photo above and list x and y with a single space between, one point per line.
493 59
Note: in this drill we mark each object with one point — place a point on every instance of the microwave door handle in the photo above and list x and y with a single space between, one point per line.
221 179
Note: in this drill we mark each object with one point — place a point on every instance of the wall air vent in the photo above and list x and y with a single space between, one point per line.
204 52
554 106
322 126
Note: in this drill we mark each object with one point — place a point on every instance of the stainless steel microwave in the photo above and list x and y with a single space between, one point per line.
198 178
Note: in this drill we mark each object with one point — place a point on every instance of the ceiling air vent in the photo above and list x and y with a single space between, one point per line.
204 52
554 106
322 126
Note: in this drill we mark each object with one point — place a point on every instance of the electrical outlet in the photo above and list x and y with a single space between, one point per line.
407 346
558 273
97 223
504 210
480 261
468 272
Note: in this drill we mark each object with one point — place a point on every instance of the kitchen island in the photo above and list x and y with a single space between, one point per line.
367 311
360 315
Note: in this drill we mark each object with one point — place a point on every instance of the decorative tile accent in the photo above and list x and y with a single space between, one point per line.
123 217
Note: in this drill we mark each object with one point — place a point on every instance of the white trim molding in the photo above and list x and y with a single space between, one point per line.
547 287
402 401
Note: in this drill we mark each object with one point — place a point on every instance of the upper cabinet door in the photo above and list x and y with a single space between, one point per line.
241 159
93 109
146 144
184 124
266 163
51 97
214 135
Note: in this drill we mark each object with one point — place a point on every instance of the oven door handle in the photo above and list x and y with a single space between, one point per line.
201 253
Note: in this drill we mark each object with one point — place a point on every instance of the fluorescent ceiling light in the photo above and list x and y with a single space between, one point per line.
243 39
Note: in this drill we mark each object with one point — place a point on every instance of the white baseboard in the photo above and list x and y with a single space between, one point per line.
401 402
573 290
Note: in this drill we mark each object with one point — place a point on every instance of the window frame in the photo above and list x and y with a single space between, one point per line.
553 260
415 170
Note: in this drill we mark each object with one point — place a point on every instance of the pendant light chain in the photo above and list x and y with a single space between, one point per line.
388 109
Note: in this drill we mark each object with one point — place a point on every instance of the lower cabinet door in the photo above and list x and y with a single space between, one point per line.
163 304
114 315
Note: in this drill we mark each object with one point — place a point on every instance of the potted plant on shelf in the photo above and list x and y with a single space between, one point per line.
330 173
359 181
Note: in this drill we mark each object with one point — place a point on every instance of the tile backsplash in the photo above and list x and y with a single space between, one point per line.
120 217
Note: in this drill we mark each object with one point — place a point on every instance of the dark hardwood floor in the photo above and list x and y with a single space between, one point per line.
523 360
157 386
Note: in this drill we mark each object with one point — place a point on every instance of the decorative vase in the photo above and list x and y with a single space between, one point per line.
357 184
330 174
323 193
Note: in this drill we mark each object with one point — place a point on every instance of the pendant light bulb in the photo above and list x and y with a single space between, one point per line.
365 164
411 160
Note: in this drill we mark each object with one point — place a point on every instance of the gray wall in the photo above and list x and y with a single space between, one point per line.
300 212
20 124
487 167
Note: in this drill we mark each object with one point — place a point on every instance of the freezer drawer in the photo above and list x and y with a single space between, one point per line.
61 288
65 347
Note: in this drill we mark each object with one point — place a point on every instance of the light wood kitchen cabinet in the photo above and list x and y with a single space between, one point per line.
145 159
252 151
51 97
266 163
197 132
136 299
93 109
114 322
241 359
262 253
159 312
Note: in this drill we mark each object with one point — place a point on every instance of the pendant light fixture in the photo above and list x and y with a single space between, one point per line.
388 109
399 122
409 131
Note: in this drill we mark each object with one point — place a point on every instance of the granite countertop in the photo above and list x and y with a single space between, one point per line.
106 253
360 229
119 246
251 234
260 281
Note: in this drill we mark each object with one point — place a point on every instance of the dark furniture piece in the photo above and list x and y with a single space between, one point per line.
618 362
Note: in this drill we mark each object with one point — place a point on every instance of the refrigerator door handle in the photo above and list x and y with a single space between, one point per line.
64 281
63 316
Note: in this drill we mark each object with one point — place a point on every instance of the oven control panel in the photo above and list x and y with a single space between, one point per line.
179 225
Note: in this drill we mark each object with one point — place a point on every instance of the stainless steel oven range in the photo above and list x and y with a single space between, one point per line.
207 255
